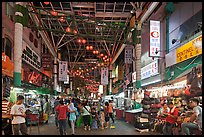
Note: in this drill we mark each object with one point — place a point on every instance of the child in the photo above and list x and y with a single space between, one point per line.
94 118
102 118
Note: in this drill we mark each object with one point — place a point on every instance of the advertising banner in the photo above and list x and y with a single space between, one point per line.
62 70
47 61
33 77
189 50
154 39
104 76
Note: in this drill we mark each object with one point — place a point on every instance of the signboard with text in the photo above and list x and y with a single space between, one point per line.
62 70
189 50
154 46
104 76
128 54
134 77
150 70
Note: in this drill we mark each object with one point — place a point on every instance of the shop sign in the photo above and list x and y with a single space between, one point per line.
121 72
62 70
134 77
33 77
128 54
46 61
150 70
8 66
104 76
189 50
154 39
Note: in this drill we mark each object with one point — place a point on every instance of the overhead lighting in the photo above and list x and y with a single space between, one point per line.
87 48
91 47
101 55
79 40
75 32
83 41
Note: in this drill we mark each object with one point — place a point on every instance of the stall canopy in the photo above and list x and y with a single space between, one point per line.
43 90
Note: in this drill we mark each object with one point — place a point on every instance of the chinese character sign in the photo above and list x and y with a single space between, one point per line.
104 76
154 46
150 70
128 54
62 71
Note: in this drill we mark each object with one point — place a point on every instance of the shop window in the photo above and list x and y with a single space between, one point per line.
7 47
10 10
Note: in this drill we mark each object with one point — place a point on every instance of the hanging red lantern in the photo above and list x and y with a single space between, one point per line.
75 32
94 52
54 13
91 47
62 19
101 54
104 58
79 40
97 51
68 29
83 41
46 3
87 48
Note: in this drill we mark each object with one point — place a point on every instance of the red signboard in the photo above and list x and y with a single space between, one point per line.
33 77
46 61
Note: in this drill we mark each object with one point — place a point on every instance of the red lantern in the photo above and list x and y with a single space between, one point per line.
54 13
79 40
46 3
106 56
62 19
91 47
87 48
75 32
97 52
101 55
94 52
83 41
68 29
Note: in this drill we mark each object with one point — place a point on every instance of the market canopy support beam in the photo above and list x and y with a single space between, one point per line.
113 15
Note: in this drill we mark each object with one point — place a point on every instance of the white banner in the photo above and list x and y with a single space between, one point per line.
154 39
67 82
128 54
150 70
104 76
134 77
62 70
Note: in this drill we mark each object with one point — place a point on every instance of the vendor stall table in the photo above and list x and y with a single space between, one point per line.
131 114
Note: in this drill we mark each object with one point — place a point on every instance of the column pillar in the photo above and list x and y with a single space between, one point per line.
138 56
18 38
55 73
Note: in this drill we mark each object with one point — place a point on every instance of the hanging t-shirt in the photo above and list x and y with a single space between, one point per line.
18 109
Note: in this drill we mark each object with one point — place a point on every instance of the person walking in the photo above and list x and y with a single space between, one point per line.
106 112
195 119
56 103
72 116
62 117
18 113
110 111
102 118
86 116
94 115
46 109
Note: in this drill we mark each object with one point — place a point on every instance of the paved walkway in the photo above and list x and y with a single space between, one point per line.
122 128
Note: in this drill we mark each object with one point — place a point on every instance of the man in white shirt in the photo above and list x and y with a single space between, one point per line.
18 114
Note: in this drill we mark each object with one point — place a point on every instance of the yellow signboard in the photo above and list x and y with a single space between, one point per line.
189 50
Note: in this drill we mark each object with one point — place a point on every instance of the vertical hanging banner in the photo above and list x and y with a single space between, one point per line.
62 70
104 76
128 54
154 46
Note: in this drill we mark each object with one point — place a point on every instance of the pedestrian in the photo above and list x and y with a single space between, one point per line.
52 103
56 103
170 119
106 112
86 116
94 115
62 117
46 109
110 111
195 119
102 118
18 113
72 116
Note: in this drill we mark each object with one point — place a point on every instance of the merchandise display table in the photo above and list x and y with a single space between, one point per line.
119 113
131 114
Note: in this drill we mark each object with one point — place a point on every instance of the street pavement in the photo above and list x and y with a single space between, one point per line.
122 128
